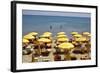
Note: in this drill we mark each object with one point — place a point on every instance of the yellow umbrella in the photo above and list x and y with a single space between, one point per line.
89 35
33 33
44 40
74 33
81 39
66 46
61 36
48 33
73 42
45 35
60 33
25 41
62 39
29 37
77 35
86 33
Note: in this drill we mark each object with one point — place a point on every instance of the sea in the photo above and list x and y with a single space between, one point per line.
55 24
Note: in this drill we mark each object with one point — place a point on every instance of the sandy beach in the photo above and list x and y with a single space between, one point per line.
53 55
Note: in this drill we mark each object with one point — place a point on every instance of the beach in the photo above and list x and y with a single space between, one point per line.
59 48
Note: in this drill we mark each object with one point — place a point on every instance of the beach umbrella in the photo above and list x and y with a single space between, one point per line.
47 33
84 39
61 36
78 39
29 37
81 39
25 36
44 40
74 33
60 33
33 33
62 39
25 41
73 42
66 46
77 35
89 35
86 33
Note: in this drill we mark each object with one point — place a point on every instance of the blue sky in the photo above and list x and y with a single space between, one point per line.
40 21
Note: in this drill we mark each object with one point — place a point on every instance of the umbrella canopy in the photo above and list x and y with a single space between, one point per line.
33 33
66 46
74 33
74 42
47 33
86 33
61 36
29 37
62 39
25 41
77 35
44 40
60 33
81 39
89 35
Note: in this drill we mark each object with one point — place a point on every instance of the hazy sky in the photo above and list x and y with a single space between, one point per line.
55 13
40 21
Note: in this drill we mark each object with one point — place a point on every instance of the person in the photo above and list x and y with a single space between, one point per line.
83 45
57 57
49 45
33 58
24 46
36 49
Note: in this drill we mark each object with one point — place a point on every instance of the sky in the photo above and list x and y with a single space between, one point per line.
55 13
41 21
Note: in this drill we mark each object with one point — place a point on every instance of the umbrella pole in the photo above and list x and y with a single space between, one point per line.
39 50
67 55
